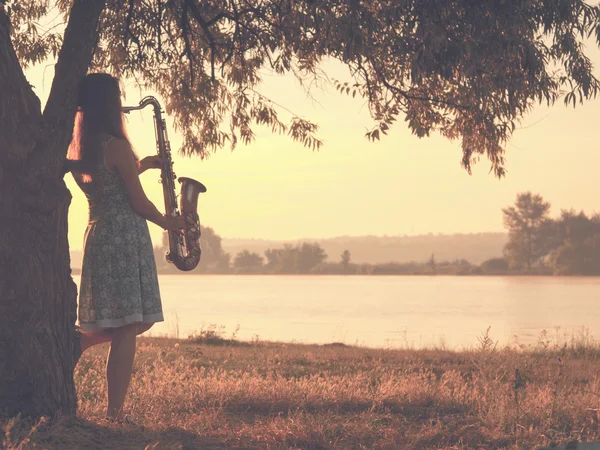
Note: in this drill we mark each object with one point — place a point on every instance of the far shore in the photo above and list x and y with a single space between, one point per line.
77 272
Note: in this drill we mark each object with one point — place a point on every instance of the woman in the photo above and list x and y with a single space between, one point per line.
119 296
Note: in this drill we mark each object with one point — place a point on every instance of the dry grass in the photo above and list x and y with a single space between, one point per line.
276 396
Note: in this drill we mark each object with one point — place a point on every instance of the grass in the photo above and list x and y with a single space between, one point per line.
209 394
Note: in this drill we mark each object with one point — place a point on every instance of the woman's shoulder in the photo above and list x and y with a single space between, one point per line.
115 143
117 151
106 138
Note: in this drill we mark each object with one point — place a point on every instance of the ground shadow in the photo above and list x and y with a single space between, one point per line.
79 434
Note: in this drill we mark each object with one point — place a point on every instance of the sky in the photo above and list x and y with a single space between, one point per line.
277 189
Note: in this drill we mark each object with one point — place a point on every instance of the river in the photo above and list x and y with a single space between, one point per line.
382 311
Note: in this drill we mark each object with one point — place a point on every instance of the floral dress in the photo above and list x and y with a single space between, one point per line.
119 283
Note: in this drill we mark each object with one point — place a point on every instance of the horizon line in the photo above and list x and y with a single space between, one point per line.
312 239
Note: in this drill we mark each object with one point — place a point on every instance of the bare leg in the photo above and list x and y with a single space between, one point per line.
97 337
119 366
143 327
89 339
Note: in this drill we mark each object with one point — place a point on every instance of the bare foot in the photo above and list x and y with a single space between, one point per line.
124 421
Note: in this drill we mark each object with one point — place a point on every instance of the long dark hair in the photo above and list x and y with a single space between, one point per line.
98 111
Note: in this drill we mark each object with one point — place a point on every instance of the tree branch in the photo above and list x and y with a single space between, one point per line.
408 96
213 48
185 29
19 104
128 22
81 36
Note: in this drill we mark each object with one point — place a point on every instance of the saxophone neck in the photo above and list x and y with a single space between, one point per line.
146 101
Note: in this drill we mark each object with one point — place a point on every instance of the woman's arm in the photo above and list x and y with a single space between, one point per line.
149 162
119 157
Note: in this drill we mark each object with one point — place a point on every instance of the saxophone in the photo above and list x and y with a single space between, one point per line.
184 251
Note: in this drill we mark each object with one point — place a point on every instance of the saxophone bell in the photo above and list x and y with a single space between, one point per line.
188 200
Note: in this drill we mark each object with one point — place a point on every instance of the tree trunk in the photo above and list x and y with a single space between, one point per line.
37 294
38 305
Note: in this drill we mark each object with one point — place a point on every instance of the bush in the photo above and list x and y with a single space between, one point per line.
495 266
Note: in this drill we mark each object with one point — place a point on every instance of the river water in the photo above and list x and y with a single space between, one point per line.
382 311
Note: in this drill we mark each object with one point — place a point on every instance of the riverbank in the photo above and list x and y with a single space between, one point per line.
211 393
76 271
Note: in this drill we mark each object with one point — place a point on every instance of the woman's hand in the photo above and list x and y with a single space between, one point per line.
174 223
150 162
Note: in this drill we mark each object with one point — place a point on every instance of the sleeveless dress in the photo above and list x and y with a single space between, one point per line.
119 283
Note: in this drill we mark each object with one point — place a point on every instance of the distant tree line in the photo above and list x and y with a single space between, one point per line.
537 245
541 245
303 258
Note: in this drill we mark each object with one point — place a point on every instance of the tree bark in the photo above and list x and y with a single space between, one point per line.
37 294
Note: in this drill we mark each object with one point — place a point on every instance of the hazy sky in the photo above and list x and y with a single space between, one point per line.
277 189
